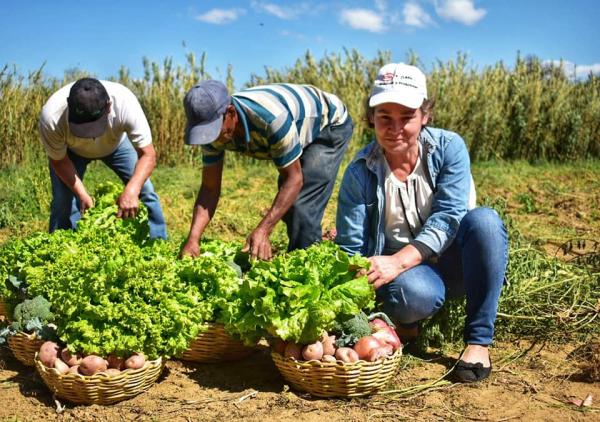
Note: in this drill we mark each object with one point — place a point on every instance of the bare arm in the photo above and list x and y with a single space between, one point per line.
204 207
129 201
65 170
258 243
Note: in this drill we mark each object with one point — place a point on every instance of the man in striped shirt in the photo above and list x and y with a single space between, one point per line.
302 129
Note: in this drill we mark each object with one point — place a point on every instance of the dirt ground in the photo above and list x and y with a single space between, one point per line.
530 382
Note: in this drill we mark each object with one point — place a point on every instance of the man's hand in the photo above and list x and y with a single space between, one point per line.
85 202
258 245
129 204
190 249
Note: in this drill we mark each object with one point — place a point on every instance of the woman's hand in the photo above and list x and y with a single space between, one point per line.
383 269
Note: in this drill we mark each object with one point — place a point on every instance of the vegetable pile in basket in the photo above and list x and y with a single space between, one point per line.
298 295
356 338
115 292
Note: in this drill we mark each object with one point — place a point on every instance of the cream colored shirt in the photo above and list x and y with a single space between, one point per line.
408 206
125 120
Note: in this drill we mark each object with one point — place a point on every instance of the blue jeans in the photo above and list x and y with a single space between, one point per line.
64 210
320 163
474 265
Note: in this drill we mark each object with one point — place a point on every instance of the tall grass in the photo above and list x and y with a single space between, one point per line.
529 111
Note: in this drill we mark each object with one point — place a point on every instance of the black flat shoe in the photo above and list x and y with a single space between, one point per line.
470 372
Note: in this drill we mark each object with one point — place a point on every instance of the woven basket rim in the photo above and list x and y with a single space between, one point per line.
103 376
347 365
30 336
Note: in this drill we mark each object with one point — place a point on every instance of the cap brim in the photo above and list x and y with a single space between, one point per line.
93 129
408 99
202 134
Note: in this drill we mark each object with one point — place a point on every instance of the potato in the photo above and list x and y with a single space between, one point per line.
346 354
328 345
293 350
48 353
313 351
112 371
92 364
135 361
115 362
61 367
69 358
74 369
328 358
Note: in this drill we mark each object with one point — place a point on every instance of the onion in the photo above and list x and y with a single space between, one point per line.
364 345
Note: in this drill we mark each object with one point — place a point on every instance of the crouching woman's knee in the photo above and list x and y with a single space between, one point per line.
409 298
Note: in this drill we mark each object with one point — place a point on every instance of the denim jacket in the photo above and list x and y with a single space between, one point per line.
361 202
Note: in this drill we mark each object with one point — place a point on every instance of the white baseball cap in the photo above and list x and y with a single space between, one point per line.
399 83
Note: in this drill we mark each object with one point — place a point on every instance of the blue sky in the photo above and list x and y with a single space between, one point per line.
100 36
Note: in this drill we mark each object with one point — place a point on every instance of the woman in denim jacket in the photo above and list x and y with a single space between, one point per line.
407 201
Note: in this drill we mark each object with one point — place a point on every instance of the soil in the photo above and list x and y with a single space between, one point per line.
530 382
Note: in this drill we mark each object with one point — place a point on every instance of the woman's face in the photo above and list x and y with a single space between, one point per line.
397 127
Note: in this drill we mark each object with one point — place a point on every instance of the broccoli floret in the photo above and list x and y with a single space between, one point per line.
348 331
32 314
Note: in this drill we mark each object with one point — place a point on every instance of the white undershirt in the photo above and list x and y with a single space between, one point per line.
407 206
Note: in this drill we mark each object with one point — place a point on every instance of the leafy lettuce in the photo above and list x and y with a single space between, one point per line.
299 294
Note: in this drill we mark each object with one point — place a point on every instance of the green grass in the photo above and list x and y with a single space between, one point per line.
549 204
543 205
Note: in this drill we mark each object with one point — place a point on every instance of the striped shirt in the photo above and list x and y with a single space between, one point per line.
279 121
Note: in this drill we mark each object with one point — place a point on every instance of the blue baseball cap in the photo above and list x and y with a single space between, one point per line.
205 103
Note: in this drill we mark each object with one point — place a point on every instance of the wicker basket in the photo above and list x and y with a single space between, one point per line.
24 346
4 311
215 345
101 388
338 379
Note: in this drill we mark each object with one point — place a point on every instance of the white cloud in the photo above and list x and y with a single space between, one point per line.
414 15
290 34
220 16
363 19
578 71
281 12
462 11
582 71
